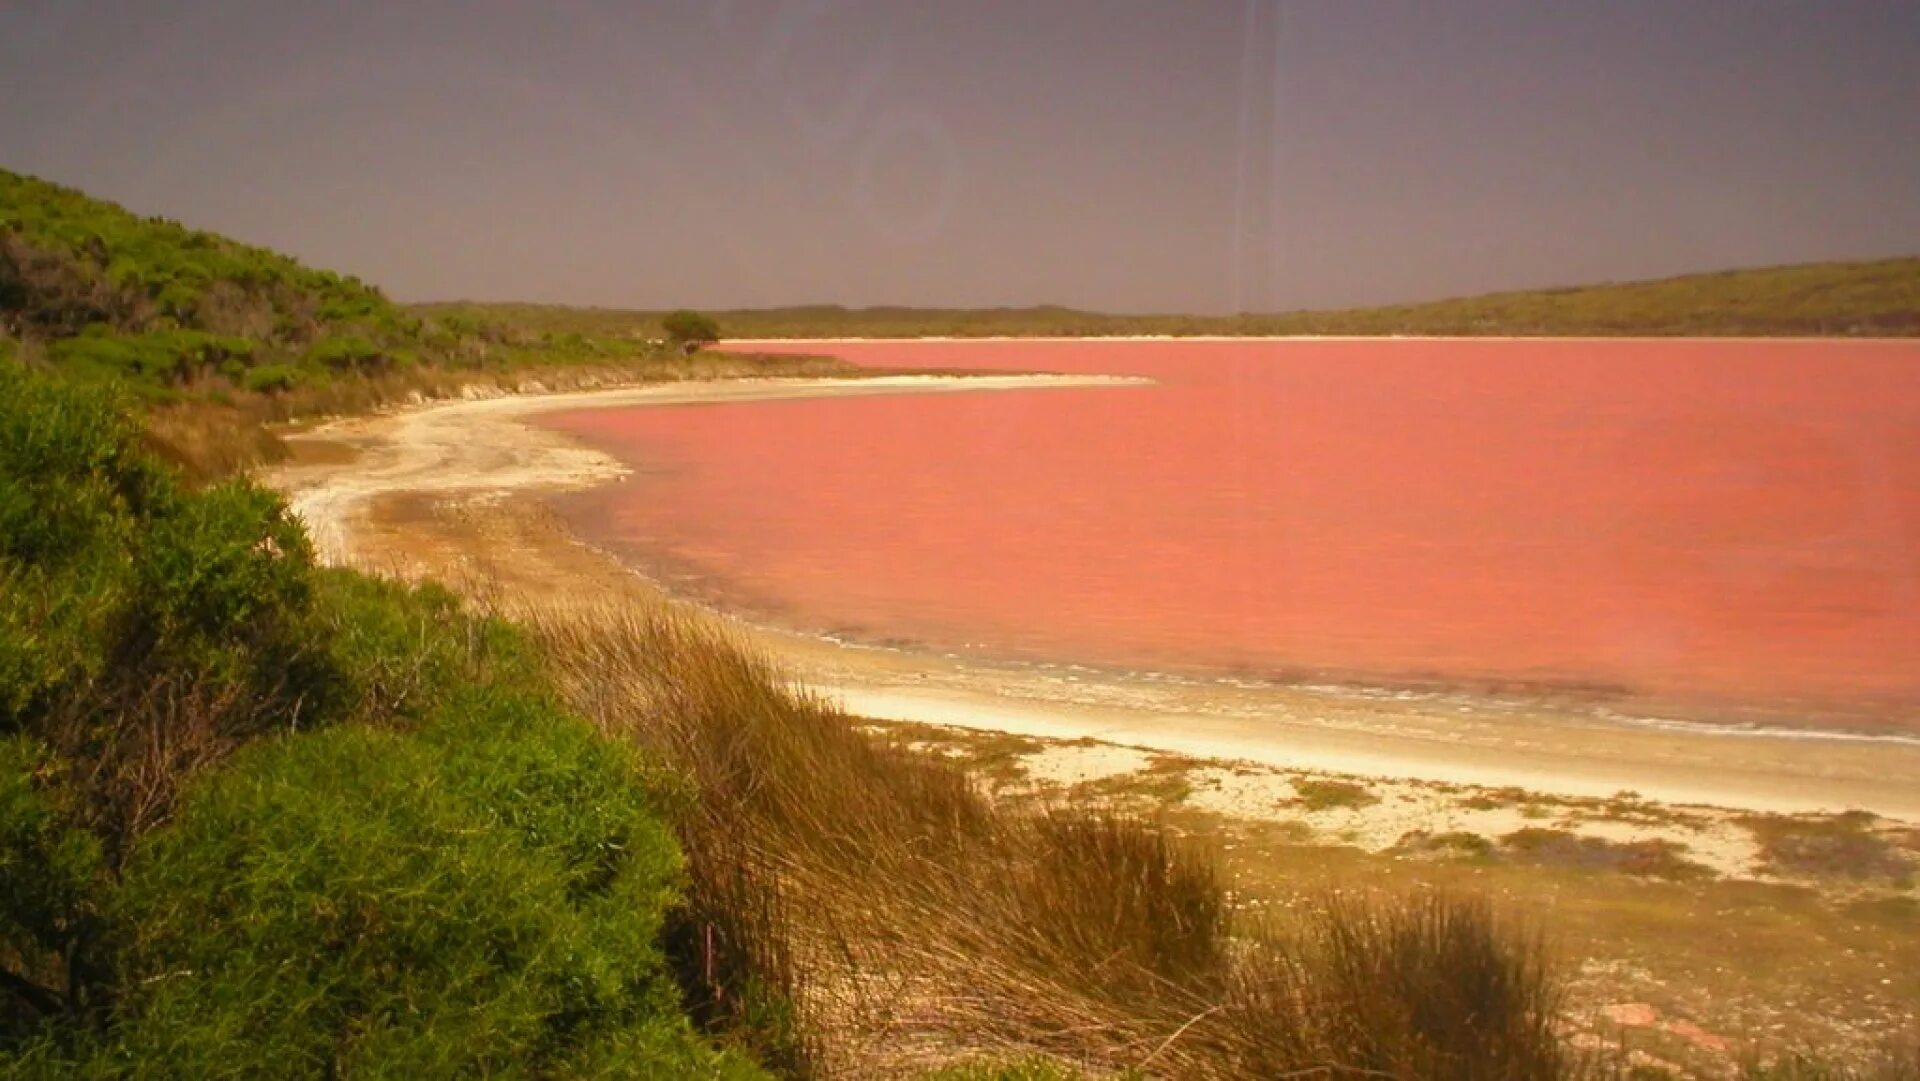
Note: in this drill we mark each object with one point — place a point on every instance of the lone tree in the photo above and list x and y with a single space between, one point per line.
689 330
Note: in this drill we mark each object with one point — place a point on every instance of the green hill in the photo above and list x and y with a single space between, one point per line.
114 293
215 337
95 290
1863 299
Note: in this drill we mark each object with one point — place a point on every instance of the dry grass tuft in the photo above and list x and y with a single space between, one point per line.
859 910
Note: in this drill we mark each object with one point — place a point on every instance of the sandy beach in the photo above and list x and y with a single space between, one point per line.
455 489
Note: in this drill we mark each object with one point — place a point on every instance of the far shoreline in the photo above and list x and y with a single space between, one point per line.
748 343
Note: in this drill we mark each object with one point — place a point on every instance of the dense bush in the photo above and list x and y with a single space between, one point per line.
114 582
258 815
70 260
483 897
689 330
161 358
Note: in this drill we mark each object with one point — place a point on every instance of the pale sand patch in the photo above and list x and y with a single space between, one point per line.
1392 810
1426 738
1069 764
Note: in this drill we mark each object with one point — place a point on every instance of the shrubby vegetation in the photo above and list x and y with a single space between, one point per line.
258 815
689 330
907 920
211 337
173 312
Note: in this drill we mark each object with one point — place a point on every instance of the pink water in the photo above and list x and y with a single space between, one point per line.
1736 524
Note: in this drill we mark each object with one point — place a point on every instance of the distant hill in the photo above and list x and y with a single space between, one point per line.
114 293
92 289
214 338
1880 298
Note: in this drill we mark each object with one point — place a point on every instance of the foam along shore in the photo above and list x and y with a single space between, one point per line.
481 456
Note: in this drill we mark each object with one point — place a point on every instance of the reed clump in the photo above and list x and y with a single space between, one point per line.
902 920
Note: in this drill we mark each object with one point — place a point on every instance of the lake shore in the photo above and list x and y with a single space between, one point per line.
457 491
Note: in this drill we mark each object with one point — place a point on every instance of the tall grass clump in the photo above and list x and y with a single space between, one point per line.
906 921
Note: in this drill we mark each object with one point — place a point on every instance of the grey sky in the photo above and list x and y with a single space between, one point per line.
1123 156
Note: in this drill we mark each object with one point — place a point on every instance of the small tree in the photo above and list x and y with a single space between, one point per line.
689 330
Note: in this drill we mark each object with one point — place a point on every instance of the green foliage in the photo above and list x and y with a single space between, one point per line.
482 898
73 488
71 261
270 379
255 813
112 578
166 358
689 329
176 313
49 871
347 355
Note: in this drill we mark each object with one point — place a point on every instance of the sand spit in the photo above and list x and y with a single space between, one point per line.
476 445
453 490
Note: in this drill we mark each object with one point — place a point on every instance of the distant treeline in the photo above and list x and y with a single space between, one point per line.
1863 299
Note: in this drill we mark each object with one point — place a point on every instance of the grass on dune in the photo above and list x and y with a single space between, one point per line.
906 920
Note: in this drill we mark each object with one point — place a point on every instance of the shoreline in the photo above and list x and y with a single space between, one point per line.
478 462
727 343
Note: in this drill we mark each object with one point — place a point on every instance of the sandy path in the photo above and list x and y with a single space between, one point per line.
453 490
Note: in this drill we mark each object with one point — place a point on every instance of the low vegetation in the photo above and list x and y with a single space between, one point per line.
1313 794
907 919
1880 298
252 811
1842 846
1564 848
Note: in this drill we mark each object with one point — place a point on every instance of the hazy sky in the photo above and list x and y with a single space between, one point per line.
1239 154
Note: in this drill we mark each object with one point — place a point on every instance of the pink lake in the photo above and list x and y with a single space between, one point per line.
1727 525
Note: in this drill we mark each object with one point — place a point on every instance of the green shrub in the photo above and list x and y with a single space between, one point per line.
483 897
73 487
471 881
689 330
166 358
270 378
347 355
113 580
49 872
